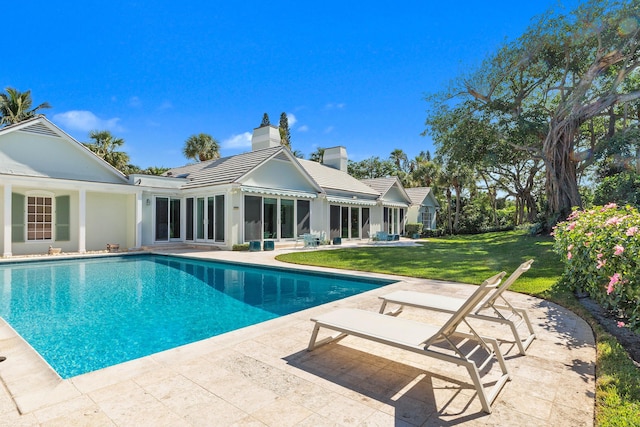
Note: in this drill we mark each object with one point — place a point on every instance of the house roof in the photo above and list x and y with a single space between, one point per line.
225 170
383 185
231 169
418 194
334 179
40 125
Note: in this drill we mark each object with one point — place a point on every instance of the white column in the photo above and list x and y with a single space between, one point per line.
82 221
138 241
7 221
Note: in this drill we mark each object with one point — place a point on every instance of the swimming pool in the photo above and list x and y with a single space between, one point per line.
85 314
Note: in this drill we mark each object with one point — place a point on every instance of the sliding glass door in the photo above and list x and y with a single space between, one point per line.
167 224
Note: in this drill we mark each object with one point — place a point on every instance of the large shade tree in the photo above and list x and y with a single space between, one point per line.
16 106
566 69
201 147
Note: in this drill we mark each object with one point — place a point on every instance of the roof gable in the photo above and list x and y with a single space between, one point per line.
389 188
252 168
334 180
419 195
37 147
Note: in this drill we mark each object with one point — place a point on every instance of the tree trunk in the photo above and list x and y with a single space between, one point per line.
561 180
449 222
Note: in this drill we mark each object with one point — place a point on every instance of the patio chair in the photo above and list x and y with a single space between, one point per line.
437 341
310 241
495 308
381 236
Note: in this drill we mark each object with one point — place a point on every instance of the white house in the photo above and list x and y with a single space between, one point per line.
56 192
424 207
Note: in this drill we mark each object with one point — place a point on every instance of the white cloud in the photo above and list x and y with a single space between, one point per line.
329 129
303 128
237 141
332 105
292 120
83 120
166 105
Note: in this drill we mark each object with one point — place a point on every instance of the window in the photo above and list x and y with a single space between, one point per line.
275 218
304 225
167 219
219 218
427 218
355 223
270 218
205 218
334 221
39 218
286 219
344 222
252 218
189 218
366 226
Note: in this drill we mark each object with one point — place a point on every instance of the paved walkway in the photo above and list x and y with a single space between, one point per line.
263 376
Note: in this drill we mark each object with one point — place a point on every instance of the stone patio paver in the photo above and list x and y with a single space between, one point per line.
262 375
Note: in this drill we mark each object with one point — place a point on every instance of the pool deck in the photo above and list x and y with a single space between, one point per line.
262 375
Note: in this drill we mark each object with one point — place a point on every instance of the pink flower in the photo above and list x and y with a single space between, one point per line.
613 221
610 206
571 226
599 255
569 256
619 250
621 325
614 279
601 263
632 231
570 247
573 215
589 234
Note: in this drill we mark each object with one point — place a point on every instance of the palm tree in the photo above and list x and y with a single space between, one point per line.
15 106
201 147
317 155
105 145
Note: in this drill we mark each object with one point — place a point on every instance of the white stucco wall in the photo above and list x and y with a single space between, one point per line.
110 219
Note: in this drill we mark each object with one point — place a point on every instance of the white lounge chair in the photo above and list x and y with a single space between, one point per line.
442 342
495 308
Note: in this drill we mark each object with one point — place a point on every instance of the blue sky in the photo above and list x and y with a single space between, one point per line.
154 73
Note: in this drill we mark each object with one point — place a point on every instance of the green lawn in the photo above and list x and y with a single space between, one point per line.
471 259
465 259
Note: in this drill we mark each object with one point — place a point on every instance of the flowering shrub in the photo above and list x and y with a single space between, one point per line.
601 250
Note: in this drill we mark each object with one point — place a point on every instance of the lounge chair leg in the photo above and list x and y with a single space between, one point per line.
313 344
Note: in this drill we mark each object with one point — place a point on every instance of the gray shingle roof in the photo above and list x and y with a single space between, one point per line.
381 185
334 179
418 194
225 170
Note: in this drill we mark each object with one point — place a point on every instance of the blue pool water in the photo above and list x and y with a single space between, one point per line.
85 314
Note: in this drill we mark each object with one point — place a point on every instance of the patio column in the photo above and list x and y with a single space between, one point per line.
7 221
138 241
82 221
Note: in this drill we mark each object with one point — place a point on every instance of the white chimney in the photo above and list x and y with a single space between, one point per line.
335 157
265 137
